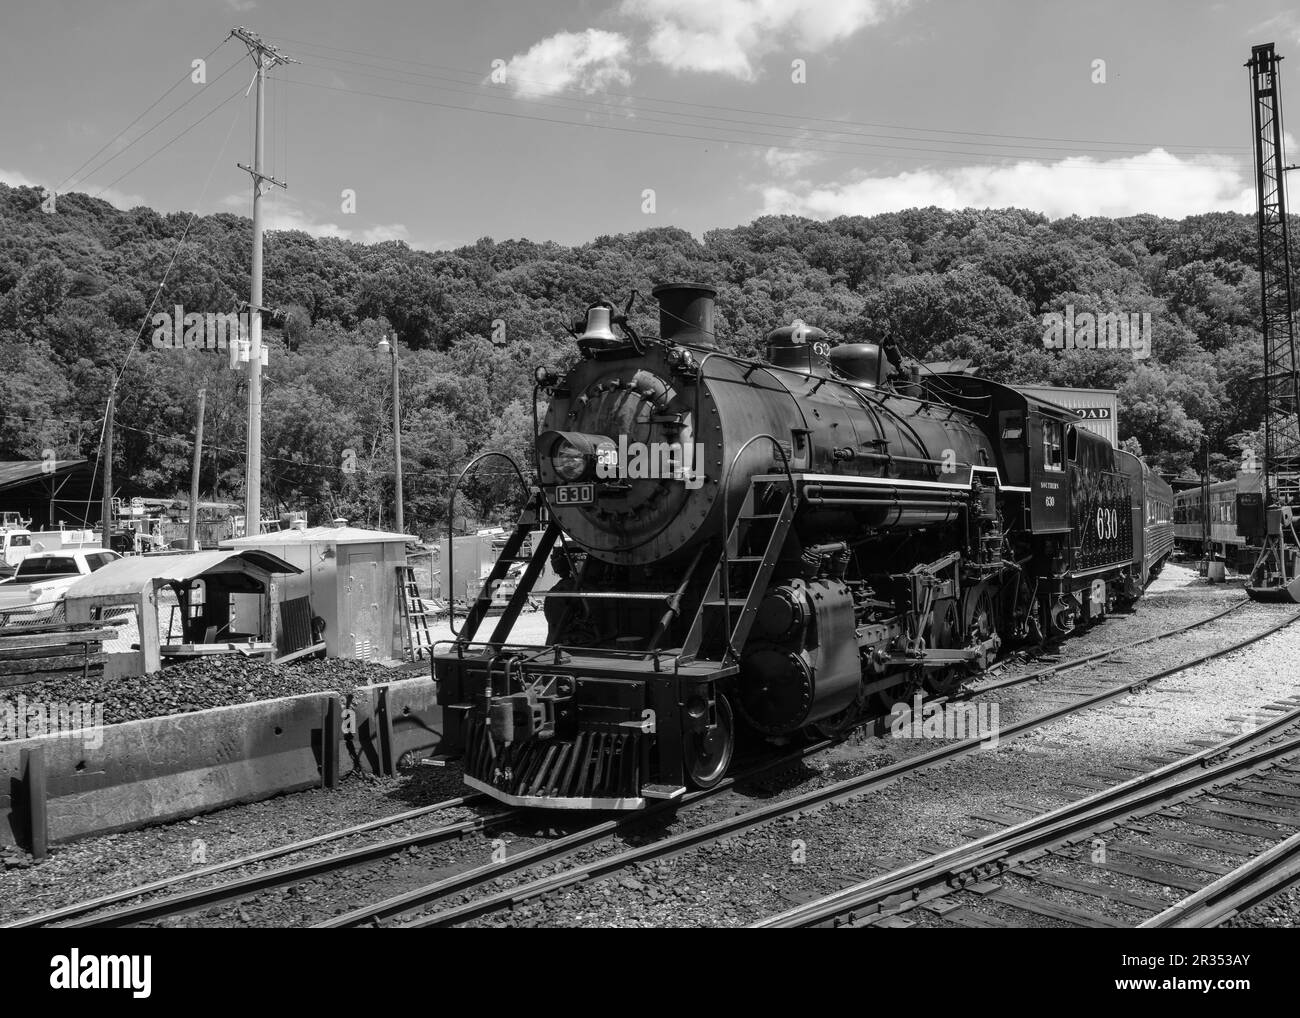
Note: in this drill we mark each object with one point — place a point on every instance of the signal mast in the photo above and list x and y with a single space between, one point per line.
1276 576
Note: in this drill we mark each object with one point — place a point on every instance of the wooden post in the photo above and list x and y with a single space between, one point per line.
38 822
384 731
330 738
193 537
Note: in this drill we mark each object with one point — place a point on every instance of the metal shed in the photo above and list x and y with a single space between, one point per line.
351 576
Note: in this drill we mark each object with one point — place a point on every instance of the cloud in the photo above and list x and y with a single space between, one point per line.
590 60
280 212
730 37
1154 182
1286 23
241 5
790 162
119 199
381 233
15 179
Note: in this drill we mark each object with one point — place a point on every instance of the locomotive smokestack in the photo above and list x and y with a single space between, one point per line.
686 313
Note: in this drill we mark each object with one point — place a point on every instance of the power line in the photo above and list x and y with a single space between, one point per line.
131 144
746 126
167 144
478 77
922 156
148 315
183 78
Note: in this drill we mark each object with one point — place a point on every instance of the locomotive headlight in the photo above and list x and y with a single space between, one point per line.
568 460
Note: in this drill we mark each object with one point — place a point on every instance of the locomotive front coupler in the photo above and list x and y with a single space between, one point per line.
531 712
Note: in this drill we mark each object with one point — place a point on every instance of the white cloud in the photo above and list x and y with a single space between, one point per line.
120 199
590 60
15 179
730 37
379 234
279 212
1155 182
790 162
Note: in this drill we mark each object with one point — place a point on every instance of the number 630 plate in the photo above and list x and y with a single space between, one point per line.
575 494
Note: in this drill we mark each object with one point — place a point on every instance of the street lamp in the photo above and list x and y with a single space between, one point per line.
391 349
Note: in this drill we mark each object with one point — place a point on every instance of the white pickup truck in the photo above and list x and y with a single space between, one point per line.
42 578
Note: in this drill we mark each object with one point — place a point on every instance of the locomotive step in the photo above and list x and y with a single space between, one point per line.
663 791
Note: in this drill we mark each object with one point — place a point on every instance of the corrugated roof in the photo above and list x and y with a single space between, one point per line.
17 472
317 535
130 575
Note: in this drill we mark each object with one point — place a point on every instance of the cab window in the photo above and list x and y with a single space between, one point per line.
1053 453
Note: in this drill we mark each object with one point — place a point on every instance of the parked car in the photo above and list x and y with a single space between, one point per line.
35 591
15 545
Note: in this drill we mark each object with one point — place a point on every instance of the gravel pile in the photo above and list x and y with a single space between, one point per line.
209 682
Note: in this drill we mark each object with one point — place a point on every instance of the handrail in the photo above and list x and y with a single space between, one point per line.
727 525
451 518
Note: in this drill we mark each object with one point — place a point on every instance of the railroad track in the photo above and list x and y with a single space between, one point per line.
129 912
1224 790
124 909
75 915
398 906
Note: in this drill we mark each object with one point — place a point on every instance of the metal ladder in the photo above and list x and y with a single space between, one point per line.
731 599
416 637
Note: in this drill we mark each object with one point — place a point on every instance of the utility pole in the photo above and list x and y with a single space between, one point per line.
264 57
193 536
385 347
106 461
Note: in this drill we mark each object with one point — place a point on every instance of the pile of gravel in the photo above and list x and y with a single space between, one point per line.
203 683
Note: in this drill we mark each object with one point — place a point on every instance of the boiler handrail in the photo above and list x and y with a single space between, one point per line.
726 523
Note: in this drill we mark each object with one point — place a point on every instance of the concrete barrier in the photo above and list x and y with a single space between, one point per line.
137 773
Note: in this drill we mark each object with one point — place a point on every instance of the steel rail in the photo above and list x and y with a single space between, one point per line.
1250 883
1072 663
231 890
117 897
1000 850
754 818
190 901
178 904
379 911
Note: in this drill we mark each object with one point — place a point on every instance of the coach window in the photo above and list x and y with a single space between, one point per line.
1052 451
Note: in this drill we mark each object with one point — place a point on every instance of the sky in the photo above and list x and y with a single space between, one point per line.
438 123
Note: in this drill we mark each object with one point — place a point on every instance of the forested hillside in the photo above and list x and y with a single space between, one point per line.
75 285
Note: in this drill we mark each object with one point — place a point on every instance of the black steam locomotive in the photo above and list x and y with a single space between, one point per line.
794 543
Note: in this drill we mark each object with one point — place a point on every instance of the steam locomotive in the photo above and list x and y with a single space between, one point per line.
792 544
